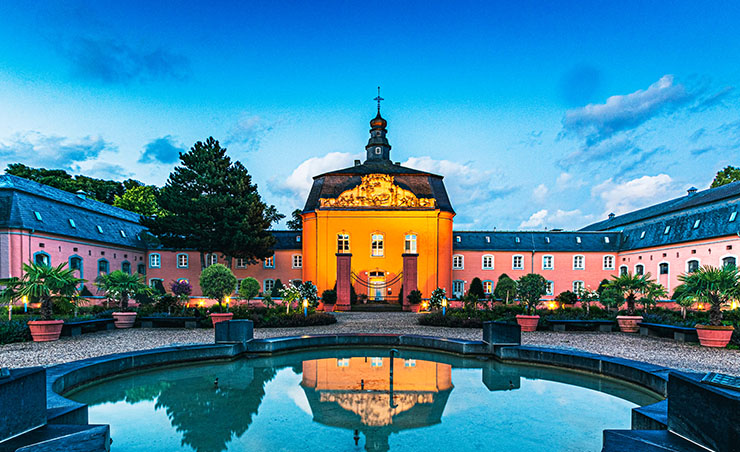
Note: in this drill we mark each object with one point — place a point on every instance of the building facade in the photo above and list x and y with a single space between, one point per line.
382 230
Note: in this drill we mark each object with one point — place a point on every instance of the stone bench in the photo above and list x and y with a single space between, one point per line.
169 322
601 325
678 333
79 327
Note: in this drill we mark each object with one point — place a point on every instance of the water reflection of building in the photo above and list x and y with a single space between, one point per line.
358 394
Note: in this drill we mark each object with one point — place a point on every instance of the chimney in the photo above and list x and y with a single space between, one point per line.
691 191
357 163
611 215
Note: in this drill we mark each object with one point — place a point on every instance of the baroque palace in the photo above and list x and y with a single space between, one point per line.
383 230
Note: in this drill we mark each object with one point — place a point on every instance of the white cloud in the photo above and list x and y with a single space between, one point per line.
542 219
51 151
248 132
540 192
565 181
633 194
624 112
299 182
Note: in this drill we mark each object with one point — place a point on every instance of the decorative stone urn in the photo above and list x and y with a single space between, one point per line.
714 336
629 323
217 317
45 330
124 319
528 322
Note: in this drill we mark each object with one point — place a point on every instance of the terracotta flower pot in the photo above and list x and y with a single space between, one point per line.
629 323
528 322
327 307
45 330
714 336
217 317
124 319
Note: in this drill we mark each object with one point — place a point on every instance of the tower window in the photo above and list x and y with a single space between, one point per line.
378 150
376 248
410 243
342 243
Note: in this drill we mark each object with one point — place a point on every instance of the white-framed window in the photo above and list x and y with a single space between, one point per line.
663 268
297 261
409 244
623 269
487 263
267 286
579 262
729 261
488 287
182 260
692 265
458 288
550 288
458 262
377 246
577 287
155 260
608 262
342 243
517 262
269 262
639 269
241 262
211 259
548 262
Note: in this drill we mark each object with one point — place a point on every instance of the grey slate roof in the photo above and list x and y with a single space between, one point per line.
334 183
539 241
286 240
698 199
21 198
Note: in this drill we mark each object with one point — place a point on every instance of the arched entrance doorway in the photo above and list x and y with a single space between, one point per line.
376 288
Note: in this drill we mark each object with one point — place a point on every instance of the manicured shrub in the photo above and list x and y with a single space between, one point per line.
329 296
277 289
217 282
476 288
249 288
14 331
414 297
505 289
530 288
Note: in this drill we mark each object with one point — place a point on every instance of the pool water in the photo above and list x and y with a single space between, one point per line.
347 401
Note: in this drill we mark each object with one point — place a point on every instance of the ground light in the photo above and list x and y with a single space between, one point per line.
305 307
444 306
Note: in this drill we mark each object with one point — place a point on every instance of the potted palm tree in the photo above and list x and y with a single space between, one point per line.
120 287
44 283
629 286
530 288
715 286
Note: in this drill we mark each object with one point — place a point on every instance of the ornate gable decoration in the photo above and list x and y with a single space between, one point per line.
378 190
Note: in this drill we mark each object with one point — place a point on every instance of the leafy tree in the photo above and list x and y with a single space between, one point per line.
716 286
566 297
530 288
296 222
652 294
685 302
277 289
142 200
99 189
476 288
41 282
214 207
726 176
629 286
505 288
121 286
249 288
217 282
611 297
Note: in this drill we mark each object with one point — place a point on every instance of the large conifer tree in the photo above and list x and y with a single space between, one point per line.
211 205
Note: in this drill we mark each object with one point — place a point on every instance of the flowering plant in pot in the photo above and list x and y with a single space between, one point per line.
716 287
44 283
530 288
629 286
218 282
120 287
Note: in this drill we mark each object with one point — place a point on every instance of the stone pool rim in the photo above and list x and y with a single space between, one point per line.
65 377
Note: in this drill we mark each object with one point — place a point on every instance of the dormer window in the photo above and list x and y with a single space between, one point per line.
606 239
667 230
578 240
38 216
123 233
100 230
517 240
458 239
696 224
642 235
298 238
488 239
72 223
733 215
547 239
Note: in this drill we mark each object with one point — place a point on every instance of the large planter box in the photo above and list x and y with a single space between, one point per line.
169 322
86 326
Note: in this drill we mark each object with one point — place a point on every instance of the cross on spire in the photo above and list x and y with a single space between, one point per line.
378 99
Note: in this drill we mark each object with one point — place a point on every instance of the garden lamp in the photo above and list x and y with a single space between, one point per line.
444 305
305 307
25 303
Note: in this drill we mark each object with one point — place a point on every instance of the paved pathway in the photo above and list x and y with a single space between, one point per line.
654 350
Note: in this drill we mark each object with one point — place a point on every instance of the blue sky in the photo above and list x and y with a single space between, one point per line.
539 114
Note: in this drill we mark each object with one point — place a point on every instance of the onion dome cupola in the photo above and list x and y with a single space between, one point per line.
378 148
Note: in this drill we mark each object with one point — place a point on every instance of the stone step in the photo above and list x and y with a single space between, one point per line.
647 441
88 438
377 307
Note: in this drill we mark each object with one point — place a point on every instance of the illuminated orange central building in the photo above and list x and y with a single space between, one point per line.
378 227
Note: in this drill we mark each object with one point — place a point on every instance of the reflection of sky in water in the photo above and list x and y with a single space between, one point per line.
258 408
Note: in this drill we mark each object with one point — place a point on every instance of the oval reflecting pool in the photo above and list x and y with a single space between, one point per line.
360 399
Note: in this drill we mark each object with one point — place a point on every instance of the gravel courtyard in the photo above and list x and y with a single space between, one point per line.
663 352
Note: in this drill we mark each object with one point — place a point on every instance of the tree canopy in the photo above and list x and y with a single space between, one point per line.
296 221
725 176
505 288
716 286
530 288
217 282
214 207
142 200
